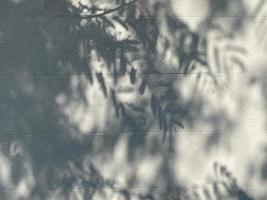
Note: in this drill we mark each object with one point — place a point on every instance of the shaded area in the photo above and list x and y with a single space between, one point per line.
89 112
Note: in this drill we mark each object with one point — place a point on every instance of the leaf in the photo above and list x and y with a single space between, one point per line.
222 170
154 104
164 135
215 188
137 108
86 69
124 24
123 63
89 76
102 83
132 49
133 76
107 21
164 123
160 118
132 42
207 194
178 123
201 60
115 103
142 87
165 127
122 109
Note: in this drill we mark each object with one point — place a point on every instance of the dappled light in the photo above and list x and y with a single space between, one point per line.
133 100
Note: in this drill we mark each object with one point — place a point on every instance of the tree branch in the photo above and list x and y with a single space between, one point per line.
111 10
